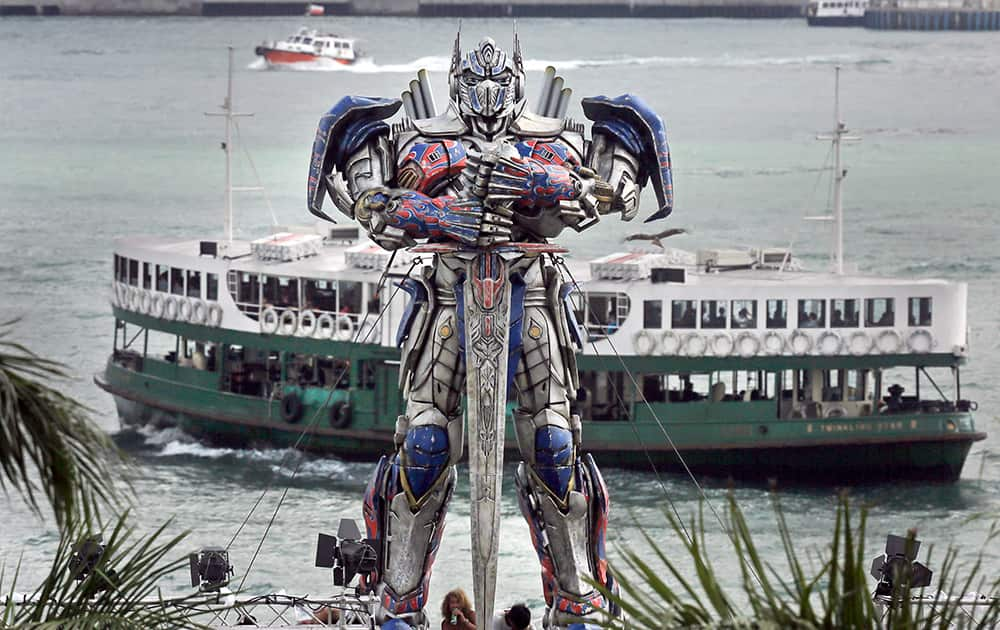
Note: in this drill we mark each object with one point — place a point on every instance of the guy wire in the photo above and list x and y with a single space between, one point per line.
332 388
385 307
663 429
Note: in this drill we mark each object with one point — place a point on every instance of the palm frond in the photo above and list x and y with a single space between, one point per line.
832 591
47 442
119 592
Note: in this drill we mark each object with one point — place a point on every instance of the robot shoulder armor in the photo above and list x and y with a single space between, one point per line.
531 125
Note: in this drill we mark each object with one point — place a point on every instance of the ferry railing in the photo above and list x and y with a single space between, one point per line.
273 610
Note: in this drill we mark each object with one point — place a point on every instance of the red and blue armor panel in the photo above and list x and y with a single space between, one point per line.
427 166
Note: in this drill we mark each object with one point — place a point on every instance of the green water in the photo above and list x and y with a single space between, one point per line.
103 135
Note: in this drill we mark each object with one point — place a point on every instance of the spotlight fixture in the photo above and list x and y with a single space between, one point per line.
210 568
346 553
898 566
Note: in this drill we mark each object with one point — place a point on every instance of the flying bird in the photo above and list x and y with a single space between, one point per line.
655 238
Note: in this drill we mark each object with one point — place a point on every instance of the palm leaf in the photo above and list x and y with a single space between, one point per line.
48 444
120 592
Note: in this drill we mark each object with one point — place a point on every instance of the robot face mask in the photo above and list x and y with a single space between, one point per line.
487 85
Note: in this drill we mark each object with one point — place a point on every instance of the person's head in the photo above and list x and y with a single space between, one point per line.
518 617
455 599
487 85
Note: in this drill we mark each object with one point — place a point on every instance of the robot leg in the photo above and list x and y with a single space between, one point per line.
561 493
407 499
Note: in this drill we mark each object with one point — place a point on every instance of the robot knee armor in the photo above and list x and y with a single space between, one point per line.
425 456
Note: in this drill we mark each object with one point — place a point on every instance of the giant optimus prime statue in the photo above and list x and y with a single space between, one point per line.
488 175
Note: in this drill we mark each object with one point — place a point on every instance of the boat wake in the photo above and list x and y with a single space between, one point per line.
174 446
442 63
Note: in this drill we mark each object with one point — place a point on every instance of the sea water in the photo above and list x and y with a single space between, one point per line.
103 136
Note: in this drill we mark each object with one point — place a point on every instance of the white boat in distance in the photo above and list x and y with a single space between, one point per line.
308 45
836 12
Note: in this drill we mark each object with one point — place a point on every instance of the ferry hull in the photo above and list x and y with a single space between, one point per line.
796 455
286 57
840 20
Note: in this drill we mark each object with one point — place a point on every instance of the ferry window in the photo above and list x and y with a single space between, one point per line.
147 276
269 290
812 313
652 313
176 281
687 387
350 297
857 385
162 278
282 291
744 313
194 284
713 314
777 314
248 291
320 295
374 299
844 314
118 268
133 271
920 311
879 312
212 287
307 40
606 312
683 314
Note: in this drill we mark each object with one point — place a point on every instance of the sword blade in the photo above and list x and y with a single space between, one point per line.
487 298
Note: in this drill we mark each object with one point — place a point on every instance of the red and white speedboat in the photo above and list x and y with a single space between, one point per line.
310 45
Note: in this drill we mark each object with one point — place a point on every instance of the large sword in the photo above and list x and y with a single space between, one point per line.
487 296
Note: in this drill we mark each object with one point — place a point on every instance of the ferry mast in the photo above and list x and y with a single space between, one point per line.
227 146
839 135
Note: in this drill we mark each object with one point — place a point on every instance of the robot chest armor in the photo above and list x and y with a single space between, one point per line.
429 166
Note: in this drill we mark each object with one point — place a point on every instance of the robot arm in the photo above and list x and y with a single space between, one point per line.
353 163
630 150
542 192
396 218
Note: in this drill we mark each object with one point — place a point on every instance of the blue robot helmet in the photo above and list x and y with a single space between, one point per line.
486 83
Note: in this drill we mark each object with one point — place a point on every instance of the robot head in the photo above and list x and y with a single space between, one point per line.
487 85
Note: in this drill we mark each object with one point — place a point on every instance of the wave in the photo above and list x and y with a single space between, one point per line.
173 445
368 65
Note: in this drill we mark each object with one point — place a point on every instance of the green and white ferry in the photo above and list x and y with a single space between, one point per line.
734 362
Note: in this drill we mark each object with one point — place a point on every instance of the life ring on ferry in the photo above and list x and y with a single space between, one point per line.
156 306
135 299
835 412
288 322
860 343
184 309
800 343
325 326
747 344
269 321
774 342
694 345
307 323
215 314
121 295
146 303
341 414
170 308
199 312
344 328
291 407
889 342
920 341
670 343
722 344
644 342
829 343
